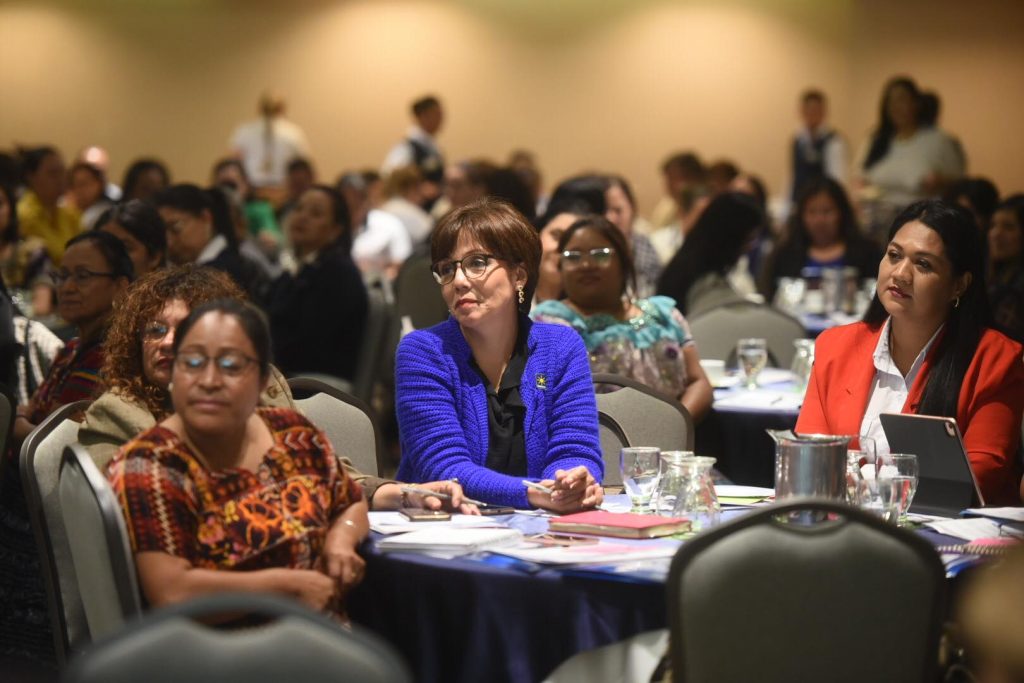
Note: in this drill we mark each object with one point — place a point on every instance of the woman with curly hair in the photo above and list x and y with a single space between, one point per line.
138 366
137 369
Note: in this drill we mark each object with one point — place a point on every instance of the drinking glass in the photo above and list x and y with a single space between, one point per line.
880 496
640 467
671 481
861 453
903 468
752 355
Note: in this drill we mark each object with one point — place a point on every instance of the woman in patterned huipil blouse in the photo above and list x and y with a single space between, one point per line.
645 339
224 495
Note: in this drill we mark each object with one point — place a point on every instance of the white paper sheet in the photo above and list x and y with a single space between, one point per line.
760 400
388 523
602 552
737 491
970 529
1010 514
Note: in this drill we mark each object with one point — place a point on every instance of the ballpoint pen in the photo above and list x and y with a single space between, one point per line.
537 487
443 496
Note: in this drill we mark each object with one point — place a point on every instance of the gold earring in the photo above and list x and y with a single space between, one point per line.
956 304
522 294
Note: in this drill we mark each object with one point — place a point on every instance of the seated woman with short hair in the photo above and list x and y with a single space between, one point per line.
645 339
488 397
250 498
926 346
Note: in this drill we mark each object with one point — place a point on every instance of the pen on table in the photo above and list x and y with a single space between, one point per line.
537 487
442 496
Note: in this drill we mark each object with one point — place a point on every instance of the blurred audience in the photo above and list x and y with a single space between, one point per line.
259 214
142 231
419 148
143 179
1006 266
404 192
978 195
87 193
40 210
817 149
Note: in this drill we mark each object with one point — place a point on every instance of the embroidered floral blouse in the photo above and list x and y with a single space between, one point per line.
647 348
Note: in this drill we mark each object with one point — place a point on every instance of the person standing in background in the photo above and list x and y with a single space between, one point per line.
266 145
817 150
419 148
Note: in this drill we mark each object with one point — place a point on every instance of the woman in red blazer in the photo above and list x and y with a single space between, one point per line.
932 310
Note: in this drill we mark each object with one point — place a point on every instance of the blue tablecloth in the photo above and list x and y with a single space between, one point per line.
489 618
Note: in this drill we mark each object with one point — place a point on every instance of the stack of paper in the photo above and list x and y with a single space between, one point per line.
450 541
388 523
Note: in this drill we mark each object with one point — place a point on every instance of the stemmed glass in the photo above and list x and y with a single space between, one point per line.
903 469
752 355
641 469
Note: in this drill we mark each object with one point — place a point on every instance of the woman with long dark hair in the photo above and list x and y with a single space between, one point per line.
1006 266
823 233
697 276
905 159
926 346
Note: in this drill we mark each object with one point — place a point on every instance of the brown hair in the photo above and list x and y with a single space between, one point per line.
498 228
122 368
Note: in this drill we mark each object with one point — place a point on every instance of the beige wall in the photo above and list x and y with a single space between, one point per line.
609 85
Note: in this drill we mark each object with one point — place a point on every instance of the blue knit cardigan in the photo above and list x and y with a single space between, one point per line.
443 418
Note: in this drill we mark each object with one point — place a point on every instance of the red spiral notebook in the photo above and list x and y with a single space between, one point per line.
619 524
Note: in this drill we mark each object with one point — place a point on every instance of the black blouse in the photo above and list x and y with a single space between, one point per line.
506 447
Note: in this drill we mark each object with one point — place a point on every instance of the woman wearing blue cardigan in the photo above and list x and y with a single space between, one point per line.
487 397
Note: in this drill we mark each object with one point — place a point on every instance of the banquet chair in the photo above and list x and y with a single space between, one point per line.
347 421
40 473
7 415
717 331
378 323
100 549
294 644
852 598
636 415
417 294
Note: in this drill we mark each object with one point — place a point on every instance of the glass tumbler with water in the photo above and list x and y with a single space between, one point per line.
903 469
672 481
752 356
696 499
641 468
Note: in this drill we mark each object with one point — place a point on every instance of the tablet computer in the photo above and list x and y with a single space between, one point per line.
946 484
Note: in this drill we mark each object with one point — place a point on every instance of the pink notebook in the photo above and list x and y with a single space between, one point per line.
619 524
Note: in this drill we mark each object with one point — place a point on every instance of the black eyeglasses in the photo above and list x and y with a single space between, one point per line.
229 363
600 257
473 265
81 276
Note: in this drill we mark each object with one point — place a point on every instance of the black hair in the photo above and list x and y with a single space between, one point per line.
586 189
849 232
508 185
606 229
31 158
9 233
714 245
339 211
220 211
113 250
884 132
142 221
139 167
299 164
966 320
251 319
92 169
424 104
231 162
812 95
687 162
1015 204
981 194
194 200
621 183
929 108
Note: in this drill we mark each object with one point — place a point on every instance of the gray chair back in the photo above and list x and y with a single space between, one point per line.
848 599
98 537
417 294
378 323
716 331
297 645
636 415
40 473
7 414
347 421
